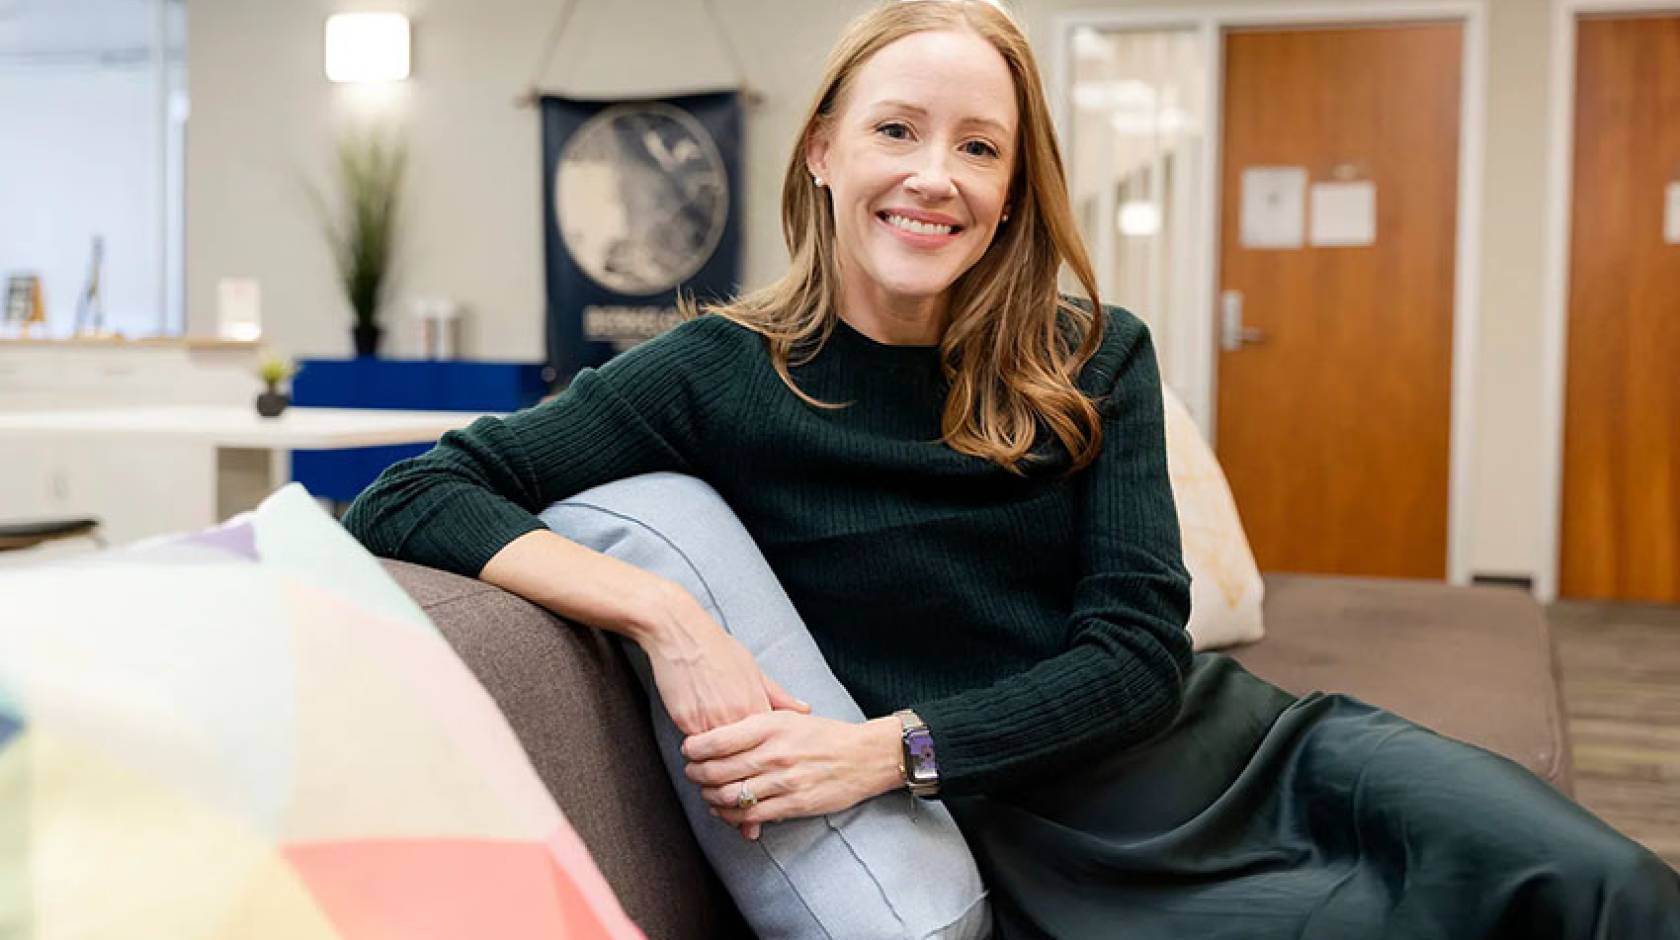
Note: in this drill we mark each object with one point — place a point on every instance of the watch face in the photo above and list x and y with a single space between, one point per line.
923 767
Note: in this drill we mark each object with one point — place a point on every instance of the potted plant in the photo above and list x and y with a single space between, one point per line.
273 369
362 230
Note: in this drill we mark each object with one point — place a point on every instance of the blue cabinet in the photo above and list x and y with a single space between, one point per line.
423 385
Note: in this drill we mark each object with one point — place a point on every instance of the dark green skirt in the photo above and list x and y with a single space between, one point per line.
1258 814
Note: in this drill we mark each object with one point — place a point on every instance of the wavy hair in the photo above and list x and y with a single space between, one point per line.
1014 346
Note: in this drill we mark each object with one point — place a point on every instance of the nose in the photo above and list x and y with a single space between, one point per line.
931 180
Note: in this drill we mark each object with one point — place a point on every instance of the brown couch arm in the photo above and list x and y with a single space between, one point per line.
581 716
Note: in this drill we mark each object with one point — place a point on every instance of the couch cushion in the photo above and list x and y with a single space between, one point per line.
1473 663
1226 592
574 705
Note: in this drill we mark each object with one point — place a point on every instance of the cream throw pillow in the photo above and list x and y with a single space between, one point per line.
1225 585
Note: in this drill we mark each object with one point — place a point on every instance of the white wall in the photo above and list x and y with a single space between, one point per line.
264 117
1508 495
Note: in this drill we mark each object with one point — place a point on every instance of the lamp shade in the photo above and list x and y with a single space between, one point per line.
367 47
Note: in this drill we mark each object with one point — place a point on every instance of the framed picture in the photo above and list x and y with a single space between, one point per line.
23 300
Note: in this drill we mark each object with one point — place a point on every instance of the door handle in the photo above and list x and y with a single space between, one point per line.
1232 334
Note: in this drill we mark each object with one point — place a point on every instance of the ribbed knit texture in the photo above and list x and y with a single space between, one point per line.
1032 622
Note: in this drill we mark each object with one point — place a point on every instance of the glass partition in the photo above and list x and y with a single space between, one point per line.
93 100
1138 126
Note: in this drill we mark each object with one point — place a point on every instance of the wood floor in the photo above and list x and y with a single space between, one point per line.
1621 689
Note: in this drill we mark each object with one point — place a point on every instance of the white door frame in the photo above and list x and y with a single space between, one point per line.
1554 340
1193 353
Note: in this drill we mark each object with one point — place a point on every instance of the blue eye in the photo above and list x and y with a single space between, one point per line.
979 148
894 130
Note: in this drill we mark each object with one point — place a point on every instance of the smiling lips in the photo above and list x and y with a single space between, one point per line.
920 228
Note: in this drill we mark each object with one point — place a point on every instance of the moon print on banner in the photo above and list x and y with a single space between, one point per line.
648 197
641 198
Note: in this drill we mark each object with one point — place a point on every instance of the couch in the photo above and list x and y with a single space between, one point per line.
1474 663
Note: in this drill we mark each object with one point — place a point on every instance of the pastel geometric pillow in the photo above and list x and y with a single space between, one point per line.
252 732
1226 592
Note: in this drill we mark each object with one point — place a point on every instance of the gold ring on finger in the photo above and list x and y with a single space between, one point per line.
745 798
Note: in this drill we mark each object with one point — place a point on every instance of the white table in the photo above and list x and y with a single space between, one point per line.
149 470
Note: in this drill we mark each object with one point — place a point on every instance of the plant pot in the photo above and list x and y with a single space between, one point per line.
271 403
366 336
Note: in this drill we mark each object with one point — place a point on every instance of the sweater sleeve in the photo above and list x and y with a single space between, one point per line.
455 506
1120 678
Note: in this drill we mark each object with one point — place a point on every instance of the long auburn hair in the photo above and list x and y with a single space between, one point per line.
1007 351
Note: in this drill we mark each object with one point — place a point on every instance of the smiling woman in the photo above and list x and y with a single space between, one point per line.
979 537
918 162
925 204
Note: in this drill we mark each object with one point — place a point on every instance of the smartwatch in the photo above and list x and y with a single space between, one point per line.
917 764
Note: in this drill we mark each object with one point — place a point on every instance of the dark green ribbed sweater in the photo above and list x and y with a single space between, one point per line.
1032 622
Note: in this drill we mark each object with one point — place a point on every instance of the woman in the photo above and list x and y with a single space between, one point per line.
960 480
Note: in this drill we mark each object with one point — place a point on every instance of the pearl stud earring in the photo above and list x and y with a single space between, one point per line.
818 180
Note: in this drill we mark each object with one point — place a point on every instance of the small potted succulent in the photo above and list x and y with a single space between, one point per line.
274 369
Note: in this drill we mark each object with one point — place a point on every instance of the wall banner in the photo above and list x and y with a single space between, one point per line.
641 198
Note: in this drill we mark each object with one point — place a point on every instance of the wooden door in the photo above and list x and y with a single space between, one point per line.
1334 427
1621 466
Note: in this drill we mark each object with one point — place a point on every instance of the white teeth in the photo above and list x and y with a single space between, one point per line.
920 228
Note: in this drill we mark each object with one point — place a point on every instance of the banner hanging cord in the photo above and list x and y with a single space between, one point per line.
748 93
563 19
556 32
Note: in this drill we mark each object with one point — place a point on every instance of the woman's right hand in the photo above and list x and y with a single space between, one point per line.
705 677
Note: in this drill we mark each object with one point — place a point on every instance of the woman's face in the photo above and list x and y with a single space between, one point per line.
918 158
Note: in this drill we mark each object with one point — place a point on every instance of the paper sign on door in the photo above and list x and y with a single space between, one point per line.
1671 215
1273 204
1344 214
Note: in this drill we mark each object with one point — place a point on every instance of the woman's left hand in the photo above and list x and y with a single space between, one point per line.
793 765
